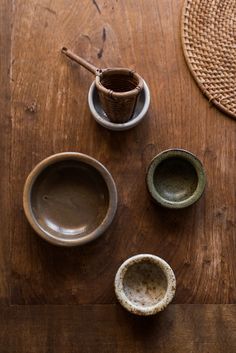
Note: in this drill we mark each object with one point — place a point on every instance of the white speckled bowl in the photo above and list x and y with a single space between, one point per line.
145 284
101 118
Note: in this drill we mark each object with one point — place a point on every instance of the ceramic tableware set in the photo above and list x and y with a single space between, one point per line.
71 199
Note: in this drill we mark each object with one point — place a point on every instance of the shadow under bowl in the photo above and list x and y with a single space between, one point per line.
145 284
176 178
70 199
101 118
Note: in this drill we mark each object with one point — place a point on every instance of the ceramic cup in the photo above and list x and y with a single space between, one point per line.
145 284
175 178
70 199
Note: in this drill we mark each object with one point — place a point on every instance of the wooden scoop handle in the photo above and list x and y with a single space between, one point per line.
96 71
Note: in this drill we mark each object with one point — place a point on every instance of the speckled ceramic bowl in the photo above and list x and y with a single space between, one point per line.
70 199
176 178
99 115
145 284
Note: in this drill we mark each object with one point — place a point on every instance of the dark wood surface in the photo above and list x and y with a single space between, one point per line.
44 111
109 328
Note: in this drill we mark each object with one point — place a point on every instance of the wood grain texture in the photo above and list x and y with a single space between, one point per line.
50 114
108 328
5 147
44 110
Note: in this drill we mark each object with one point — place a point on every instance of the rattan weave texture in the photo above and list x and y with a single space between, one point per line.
209 44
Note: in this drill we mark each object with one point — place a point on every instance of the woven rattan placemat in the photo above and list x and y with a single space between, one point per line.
209 44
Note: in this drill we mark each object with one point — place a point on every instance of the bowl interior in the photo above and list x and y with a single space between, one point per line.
138 108
175 179
69 198
145 283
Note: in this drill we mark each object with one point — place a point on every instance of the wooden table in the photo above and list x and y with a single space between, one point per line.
62 300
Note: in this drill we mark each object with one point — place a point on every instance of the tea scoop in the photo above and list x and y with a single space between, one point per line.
118 88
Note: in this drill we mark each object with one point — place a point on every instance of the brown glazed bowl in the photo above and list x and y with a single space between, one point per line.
70 199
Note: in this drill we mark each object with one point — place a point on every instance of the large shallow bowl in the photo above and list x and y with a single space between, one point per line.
145 284
70 199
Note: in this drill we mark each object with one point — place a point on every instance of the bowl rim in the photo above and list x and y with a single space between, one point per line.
152 309
58 157
187 156
114 126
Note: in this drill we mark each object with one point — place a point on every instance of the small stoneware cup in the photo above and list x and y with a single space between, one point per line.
70 199
145 284
175 178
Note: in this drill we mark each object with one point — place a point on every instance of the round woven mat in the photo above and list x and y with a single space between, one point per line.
209 43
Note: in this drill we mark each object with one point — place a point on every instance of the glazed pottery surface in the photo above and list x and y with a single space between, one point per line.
70 199
176 178
99 115
145 284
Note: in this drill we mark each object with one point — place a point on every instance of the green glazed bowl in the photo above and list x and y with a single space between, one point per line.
175 178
